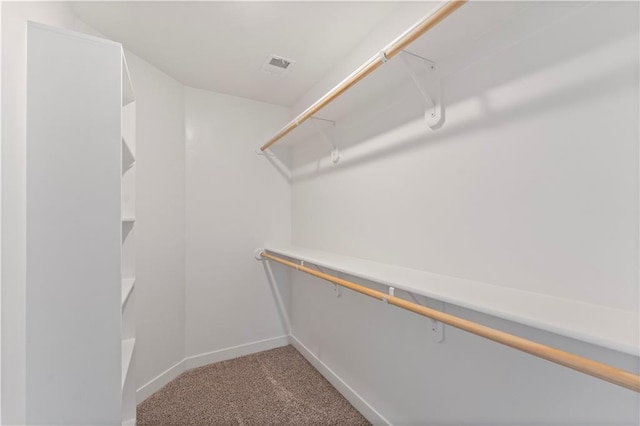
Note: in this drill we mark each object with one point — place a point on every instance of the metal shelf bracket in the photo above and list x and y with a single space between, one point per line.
425 76
325 128
436 327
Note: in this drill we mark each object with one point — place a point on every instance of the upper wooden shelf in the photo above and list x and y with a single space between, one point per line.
599 325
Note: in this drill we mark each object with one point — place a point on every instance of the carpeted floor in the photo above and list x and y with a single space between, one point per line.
276 387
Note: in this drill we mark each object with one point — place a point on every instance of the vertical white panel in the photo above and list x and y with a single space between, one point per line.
73 229
128 211
14 92
0 219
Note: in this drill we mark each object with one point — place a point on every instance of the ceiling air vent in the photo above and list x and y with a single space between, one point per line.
276 65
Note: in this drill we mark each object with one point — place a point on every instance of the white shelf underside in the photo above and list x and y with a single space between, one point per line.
128 157
599 325
127 287
128 346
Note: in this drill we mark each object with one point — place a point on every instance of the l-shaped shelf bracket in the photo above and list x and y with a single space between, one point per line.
437 328
327 136
424 74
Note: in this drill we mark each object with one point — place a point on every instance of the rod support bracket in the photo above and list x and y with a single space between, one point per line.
335 156
337 290
327 135
436 327
257 253
424 74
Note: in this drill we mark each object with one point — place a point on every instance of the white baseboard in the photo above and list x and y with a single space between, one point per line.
154 385
352 396
235 352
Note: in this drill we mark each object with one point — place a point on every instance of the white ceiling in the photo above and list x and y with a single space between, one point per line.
221 46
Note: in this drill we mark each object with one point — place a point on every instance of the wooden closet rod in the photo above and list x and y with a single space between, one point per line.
392 50
578 363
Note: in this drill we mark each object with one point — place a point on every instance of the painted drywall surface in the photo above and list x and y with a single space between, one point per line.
386 355
14 18
160 220
405 15
532 184
236 202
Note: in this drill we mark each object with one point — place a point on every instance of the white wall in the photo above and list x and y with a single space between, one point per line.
14 17
236 202
532 184
160 220
402 17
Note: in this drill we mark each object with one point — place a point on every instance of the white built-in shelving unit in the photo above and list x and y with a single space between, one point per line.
128 247
80 279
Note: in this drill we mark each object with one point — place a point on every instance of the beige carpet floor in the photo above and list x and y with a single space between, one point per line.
276 387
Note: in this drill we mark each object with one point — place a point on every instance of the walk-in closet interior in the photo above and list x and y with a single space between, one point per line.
320 213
